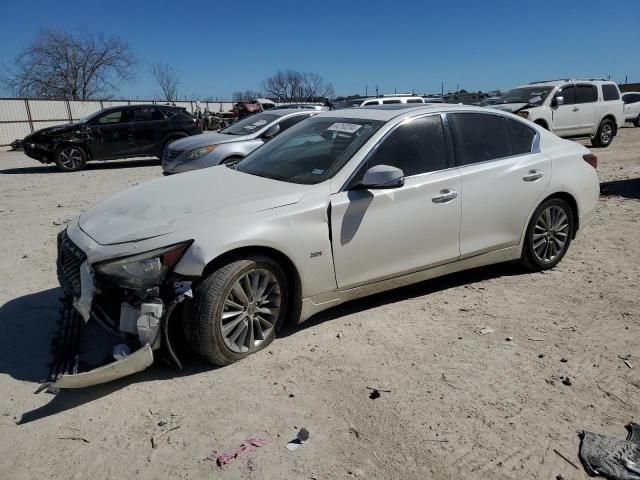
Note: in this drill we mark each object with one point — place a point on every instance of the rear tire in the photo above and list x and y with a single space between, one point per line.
70 158
636 122
548 235
604 135
237 310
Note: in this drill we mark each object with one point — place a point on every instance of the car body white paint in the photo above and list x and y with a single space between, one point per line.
631 106
399 238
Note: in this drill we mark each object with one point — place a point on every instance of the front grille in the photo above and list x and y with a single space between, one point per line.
70 257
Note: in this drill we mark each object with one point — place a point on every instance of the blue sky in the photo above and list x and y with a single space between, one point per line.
223 46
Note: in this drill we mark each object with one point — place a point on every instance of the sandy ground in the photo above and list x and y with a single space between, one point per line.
461 405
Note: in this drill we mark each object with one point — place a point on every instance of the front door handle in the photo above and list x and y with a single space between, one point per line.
575 109
533 175
445 196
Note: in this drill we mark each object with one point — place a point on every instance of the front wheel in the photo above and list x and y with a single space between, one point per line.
636 122
604 135
70 158
548 235
237 310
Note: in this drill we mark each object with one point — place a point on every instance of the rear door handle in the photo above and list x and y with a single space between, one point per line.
533 175
445 196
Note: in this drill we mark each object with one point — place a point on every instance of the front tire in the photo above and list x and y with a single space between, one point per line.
70 158
237 310
604 135
636 122
548 235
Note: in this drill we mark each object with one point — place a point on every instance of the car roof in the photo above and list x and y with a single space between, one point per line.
555 83
281 112
387 112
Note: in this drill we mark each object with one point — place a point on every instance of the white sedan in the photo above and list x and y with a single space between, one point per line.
344 204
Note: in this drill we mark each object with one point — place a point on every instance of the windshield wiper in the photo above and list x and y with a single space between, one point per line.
257 174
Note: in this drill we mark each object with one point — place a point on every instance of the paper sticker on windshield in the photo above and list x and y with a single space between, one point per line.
259 123
317 171
250 127
345 127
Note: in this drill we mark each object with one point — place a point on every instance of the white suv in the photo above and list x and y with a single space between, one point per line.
632 107
570 108
384 100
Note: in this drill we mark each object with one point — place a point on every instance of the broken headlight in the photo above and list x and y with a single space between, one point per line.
142 271
198 153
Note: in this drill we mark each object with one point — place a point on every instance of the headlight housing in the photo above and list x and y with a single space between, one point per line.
198 153
143 271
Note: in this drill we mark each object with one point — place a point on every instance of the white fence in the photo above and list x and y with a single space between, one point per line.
21 116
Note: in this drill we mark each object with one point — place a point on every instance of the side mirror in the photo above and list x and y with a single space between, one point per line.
557 101
382 176
271 132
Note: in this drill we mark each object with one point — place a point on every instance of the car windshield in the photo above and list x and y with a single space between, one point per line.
310 152
530 95
250 124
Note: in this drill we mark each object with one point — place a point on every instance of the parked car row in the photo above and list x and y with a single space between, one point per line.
336 206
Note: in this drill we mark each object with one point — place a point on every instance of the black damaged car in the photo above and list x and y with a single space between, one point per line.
112 133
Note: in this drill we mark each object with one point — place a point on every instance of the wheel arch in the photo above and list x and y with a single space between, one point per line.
289 267
542 122
609 116
562 195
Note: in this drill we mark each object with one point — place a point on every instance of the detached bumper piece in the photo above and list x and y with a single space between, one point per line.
65 371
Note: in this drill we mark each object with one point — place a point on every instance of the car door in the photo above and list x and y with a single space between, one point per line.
111 134
587 107
503 177
631 105
566 121
150 126
382 233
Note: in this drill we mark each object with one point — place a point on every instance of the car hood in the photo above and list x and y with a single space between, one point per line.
55 130
167 205
509 107
197 141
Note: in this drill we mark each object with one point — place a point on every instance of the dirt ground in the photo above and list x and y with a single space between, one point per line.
461 404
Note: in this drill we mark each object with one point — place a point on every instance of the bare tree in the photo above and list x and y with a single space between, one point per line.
294 86
77 67
245 96
167 79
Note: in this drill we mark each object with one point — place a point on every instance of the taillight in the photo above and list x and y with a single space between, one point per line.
591 159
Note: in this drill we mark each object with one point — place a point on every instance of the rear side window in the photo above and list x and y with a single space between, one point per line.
414 100
387 102
521 137
417 146
117 116
147 114
481 137
610 92
586 93
568 94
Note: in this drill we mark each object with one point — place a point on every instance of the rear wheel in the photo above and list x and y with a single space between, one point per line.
548 235
70 158
604 135
636 122
237 310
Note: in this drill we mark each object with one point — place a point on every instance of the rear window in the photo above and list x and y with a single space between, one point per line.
147 114
481 137
586 93
610 92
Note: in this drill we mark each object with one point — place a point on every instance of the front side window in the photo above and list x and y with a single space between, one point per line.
117 116
586 93
568 95
310 152
291 121
610 92
250 124
481 137
374 102
416 146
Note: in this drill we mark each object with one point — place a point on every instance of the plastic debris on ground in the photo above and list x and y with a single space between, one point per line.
303 436
224 458
610 457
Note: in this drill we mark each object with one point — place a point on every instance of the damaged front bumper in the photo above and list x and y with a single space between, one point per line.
139 318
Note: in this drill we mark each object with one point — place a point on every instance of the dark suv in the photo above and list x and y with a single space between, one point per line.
117 132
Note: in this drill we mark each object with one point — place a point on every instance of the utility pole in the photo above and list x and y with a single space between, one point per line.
377 94
442 88
366 90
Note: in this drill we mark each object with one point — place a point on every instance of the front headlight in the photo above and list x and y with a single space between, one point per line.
198 153
142 271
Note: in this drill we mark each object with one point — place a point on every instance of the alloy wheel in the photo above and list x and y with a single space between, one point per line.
71 157
606 134
250 310
550 234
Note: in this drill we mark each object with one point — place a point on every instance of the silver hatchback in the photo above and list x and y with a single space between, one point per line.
230 144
